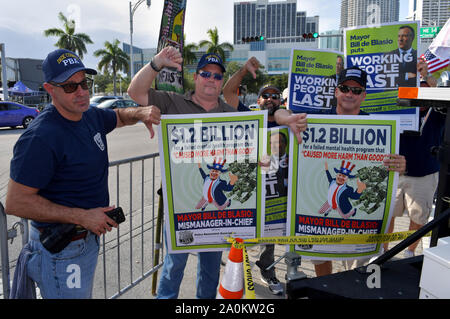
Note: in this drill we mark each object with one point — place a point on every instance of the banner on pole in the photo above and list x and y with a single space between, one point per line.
171 33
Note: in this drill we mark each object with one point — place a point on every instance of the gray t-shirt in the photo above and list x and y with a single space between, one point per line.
174 103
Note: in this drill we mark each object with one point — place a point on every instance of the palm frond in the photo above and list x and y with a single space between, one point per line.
67 38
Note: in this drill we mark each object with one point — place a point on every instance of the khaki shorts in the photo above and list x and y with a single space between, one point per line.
415 195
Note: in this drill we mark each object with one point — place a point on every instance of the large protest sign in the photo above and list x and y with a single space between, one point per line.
171 33
388 53
312 80
277 178
339 185
212 183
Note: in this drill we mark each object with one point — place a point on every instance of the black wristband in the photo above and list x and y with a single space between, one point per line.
154 67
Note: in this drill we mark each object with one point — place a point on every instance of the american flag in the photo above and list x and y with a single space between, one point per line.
434 63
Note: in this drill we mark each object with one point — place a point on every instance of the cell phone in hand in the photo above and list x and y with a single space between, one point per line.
116 215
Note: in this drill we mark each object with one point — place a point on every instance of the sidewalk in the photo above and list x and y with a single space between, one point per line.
187 290
262 292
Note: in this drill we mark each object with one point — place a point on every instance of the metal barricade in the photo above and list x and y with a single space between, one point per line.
4 252
134 242
127 255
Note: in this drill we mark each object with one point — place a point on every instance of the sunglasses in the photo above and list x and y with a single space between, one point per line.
72 87
274 96
207 75
355 90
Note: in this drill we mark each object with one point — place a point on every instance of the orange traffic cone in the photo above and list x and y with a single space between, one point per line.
232 284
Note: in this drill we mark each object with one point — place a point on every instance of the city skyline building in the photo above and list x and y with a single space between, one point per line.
431 13
281 27
331 40
277 22
366 12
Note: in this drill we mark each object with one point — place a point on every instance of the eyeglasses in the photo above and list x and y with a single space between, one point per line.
274 96
207 75
72 87
346 89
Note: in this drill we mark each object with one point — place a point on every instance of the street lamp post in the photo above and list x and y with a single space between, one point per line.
133 8
4 76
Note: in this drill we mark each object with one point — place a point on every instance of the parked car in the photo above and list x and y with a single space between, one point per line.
14 114
117 104
96 100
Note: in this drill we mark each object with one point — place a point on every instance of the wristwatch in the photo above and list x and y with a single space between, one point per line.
153 65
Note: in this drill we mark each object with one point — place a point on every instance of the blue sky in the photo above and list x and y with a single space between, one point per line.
22 23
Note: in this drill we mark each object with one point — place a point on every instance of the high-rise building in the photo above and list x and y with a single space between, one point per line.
365 12
331 40
140 56
431 13
277 22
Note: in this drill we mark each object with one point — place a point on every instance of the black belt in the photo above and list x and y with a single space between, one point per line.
80 235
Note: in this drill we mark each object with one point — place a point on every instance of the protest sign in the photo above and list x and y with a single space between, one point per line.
171 33
276 181
312 80
212 184
338 183
388 53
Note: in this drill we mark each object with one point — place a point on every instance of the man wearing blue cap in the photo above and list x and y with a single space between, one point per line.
204 99
350 93
59 176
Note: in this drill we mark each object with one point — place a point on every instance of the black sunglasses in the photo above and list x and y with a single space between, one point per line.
274 96
207 75
72 87
355 90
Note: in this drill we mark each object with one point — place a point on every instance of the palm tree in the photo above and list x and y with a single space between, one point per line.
214 46
188 54
68 39
112 58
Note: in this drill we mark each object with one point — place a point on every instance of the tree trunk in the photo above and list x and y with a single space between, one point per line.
114 80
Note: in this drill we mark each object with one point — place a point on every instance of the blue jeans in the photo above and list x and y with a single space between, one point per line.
265 260
208 273
68 274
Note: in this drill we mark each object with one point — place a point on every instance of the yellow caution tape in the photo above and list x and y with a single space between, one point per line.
350 239
248 279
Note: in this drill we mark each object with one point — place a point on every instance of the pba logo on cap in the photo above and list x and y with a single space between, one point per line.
61 64
210 58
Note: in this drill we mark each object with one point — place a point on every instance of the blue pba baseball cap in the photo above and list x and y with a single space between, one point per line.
210 58
61 64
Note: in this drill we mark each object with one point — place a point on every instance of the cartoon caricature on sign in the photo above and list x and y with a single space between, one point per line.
339 192
339 185
213 186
